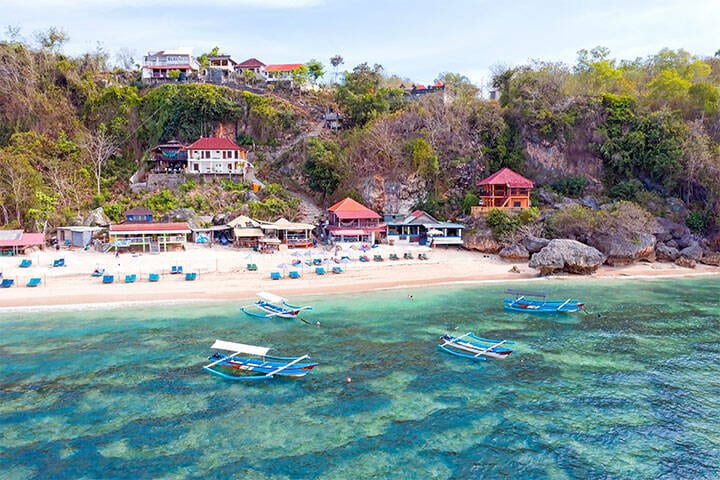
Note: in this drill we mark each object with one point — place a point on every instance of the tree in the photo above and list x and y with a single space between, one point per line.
45 206
458 84
53 39
314 70
125 59
99 147
336 60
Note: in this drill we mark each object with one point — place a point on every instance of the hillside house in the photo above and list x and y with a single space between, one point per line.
220 67
422 228
157 66
503 189
252 65
350 221
138 215
281 72
217 156
170 157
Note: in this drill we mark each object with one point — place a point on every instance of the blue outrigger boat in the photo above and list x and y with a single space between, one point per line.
474 347
259 366
536 302
271 305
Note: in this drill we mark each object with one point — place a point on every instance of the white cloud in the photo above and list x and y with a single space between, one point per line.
99 4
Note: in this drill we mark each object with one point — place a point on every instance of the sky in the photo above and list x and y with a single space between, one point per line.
416 40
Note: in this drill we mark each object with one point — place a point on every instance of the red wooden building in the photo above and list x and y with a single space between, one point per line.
503 189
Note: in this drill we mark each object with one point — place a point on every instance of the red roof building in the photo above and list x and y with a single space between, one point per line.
15 242
350 221
503 189
217 155
152 237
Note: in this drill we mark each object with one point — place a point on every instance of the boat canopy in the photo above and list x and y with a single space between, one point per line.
271 297
237 348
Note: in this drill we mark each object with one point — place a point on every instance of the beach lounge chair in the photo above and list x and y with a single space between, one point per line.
98 272
275 275
337 270
130 278
252 267
34 282
394 257
320 270
25 263
422 256
176 269
154 277
408 256
60 262
191 276
108 278
317 261
378 258
294 274
364 258
7 283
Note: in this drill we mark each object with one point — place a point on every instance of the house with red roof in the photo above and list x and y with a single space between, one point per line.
503 189
157 66
350 221
150 237
217 156
280 72
251 65
423 229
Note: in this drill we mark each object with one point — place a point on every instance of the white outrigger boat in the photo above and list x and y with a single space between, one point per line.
271 305
257 366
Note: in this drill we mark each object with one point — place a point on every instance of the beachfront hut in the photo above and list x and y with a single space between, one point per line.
246 232
76 236
149 237
350 221
503 189
16 242
423 229
289 233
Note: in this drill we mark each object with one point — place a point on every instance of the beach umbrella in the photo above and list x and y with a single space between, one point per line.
283 266
296 254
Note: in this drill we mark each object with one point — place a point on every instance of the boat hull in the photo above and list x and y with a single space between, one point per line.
241 368
474 347
547 306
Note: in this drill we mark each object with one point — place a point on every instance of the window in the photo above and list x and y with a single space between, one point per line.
516 204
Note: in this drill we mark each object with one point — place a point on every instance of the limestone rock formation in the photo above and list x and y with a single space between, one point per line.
563 255
621 250
516 251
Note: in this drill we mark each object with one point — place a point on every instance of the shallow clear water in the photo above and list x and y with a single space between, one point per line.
629 390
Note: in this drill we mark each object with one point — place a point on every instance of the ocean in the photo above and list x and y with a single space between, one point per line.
628 389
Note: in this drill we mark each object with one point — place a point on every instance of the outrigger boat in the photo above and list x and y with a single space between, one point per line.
536 302
260 366
474 347
274 306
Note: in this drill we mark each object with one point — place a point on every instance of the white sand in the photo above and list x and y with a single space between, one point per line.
222 274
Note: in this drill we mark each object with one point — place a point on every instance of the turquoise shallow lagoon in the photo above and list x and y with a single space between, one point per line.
629 390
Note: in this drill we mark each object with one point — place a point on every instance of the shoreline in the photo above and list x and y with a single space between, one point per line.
223 275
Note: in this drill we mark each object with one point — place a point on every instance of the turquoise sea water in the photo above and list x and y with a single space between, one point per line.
629 390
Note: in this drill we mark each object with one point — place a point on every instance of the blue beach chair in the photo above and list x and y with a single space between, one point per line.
275 275
154 277
130 278
337 270
108 279
320 270
294 274
34 282
190 276
25 263
7 283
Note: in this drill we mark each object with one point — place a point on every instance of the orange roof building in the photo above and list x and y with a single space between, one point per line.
350 221
503 189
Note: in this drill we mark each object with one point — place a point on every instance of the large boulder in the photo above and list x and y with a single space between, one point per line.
685 262
563 255
516 251
96 217
622 250
693 252
670 230
711 258
535 244
665 252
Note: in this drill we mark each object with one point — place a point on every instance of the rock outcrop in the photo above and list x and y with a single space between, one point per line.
620 250
516 251
563 255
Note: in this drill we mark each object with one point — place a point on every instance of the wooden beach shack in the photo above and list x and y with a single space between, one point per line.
350 221
16 242
292 234
504 189
246 232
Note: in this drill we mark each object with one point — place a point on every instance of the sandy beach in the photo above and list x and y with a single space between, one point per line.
222 274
